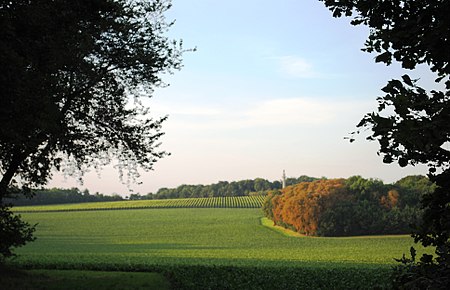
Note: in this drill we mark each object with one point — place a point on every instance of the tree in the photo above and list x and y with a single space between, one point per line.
13 232
73 75
346 207
413 188
418 130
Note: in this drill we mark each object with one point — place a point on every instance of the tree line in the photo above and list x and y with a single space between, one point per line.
60 196
346 207
257 186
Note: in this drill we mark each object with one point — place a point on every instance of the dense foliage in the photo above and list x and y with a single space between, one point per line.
411 124
14 232
72 77
345 207
70 72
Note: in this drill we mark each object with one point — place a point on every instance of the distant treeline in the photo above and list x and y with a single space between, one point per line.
258 186
60 196
346 207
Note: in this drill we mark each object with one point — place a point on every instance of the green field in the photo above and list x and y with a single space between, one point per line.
211 202
80 279
198 248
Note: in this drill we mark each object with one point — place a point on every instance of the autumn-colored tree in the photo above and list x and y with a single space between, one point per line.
391 199
344 207
301 206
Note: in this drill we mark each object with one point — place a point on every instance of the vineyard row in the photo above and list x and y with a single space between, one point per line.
210 202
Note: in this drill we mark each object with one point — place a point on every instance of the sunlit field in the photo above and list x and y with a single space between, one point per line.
224 242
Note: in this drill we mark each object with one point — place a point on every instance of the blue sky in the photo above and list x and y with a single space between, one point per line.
273 85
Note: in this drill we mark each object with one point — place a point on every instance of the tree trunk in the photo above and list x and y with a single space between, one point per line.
17 160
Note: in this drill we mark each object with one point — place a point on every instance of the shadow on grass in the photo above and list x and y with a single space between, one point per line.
200 273
13 278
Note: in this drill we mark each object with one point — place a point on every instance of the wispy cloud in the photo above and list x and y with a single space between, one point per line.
296 67
300 111
184 110
193 111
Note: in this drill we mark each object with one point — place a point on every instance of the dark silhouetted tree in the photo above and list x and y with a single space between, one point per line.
412 125
72 77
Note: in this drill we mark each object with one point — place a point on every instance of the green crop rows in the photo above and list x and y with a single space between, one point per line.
207 248
212 202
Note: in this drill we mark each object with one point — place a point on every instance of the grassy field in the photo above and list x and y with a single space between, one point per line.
212 202
76 280
201 248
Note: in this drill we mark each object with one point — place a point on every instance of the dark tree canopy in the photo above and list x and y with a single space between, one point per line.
411 32
72 77
411 124
72 74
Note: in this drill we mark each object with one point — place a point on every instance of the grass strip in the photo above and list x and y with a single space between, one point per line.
269 224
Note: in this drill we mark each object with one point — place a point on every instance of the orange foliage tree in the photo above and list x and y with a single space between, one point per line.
300 206
342 207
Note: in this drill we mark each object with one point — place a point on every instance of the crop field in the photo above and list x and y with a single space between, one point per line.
211 202
207 248
80 279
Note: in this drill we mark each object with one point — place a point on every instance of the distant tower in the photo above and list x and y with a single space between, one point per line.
283 181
